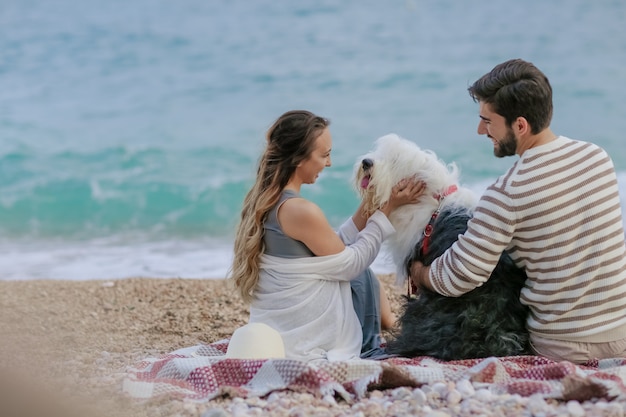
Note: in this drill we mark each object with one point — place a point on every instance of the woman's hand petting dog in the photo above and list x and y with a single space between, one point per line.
407 191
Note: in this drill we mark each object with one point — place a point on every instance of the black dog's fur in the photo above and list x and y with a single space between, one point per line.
487 321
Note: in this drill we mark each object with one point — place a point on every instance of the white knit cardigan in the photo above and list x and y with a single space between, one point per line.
309 301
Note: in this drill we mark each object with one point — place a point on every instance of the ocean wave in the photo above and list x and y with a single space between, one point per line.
185 193
106 191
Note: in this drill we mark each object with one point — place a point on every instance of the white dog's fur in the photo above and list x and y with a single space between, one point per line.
395 158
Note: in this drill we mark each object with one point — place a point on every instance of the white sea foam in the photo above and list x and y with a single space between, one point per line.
113 259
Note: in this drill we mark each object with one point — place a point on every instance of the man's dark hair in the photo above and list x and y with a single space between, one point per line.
516 88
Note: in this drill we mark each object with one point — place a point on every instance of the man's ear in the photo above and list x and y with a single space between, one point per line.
521 126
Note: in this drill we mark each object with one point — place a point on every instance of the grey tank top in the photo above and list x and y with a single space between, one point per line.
276 242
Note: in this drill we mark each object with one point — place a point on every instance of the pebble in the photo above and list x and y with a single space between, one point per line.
214 412
437 413
483 395
466 388
401 393
440 388
536 405
419 397
454 397
575 409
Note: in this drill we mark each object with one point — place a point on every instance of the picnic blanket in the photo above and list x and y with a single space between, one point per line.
202 373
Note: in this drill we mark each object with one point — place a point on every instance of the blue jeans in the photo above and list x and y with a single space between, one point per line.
366 300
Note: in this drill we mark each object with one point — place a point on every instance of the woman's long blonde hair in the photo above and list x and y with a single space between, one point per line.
290 140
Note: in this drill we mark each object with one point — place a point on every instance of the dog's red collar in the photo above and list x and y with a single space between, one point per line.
451 189
428 230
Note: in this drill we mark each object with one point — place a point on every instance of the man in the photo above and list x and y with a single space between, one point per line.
557 213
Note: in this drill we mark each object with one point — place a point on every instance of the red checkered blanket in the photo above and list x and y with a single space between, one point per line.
202 373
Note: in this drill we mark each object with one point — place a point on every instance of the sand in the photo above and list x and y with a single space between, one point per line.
69 342
65 345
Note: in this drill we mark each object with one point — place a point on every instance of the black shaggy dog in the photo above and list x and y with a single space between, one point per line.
487 321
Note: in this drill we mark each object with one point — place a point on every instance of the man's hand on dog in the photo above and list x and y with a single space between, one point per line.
419 275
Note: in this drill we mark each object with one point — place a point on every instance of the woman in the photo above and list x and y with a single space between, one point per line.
290 264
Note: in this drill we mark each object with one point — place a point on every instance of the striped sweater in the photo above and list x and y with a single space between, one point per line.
557 211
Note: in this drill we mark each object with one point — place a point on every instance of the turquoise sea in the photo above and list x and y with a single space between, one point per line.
130 130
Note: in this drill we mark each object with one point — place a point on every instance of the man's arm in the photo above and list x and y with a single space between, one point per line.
470 260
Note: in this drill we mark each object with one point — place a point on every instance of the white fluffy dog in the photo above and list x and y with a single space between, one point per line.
393 159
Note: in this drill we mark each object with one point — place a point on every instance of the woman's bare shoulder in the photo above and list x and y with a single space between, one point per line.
297 211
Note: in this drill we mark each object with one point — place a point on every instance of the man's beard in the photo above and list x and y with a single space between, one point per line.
507 146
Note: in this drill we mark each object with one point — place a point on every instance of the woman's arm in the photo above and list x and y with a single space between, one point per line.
303 220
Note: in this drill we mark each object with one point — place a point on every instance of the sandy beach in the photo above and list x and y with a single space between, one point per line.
75 338
68 343
65 347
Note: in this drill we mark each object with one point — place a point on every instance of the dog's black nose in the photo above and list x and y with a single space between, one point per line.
367 163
